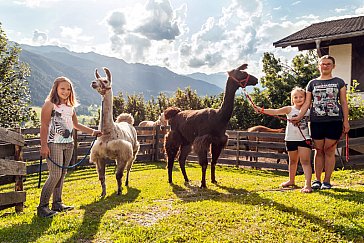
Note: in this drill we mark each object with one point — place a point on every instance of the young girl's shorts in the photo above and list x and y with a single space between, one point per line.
293 145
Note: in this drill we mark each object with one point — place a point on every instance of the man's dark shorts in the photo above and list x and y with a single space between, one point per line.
331 130
293 145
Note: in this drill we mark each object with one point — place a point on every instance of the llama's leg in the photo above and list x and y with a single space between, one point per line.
216 151
171 147
128 168
130 163
185 150
125 159
202 159
100 165
120 166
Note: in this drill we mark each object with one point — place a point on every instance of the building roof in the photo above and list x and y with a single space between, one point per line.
324 31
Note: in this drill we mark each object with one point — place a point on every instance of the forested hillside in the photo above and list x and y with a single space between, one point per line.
48 62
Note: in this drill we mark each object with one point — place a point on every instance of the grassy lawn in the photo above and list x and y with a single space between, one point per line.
245 206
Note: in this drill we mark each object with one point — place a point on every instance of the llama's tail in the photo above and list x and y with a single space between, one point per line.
170 112
125 117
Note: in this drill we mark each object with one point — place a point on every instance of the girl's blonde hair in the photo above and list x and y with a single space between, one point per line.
297 89
53 95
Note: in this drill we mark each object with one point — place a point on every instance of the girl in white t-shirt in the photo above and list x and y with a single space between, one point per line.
58 119
297 138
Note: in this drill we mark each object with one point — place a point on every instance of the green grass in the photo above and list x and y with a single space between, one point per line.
245 206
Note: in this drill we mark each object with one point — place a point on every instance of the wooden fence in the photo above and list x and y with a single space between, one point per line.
11 165
151 147
235 153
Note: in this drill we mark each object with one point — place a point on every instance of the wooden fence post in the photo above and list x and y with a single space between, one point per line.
156 143
75 148
18 178
237 147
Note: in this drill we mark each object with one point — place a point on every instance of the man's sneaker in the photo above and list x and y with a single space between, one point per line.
60 207
316 184
325 185
45 212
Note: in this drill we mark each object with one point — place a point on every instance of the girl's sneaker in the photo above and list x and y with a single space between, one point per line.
325 185
45 212
316 184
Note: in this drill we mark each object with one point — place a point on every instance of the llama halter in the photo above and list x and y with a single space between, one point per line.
242 83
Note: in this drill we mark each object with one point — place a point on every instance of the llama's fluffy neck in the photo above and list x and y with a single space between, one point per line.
227 105
106 119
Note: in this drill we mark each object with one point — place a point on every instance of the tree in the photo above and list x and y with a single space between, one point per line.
279 80
136 107
355 102
186 99
15 98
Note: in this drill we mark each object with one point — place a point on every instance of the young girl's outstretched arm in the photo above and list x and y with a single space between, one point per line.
84 128
280 111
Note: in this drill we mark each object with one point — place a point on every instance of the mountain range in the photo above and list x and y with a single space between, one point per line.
48 62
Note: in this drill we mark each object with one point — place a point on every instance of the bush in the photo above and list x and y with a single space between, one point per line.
355 102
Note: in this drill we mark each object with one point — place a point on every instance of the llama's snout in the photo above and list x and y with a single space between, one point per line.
94 84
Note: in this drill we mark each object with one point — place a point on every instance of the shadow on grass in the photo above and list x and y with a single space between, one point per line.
26 232
242 196
344 194
95 211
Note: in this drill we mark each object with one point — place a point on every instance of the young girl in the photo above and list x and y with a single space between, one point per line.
58 119
297 138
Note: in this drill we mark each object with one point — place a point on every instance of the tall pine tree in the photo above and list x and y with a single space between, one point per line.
14 87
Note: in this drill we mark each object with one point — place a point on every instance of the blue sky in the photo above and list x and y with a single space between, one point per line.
185 36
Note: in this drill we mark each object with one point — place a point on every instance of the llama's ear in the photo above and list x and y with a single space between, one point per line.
243 67
108 73
97 75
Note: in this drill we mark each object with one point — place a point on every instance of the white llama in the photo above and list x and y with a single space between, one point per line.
119 139
161 121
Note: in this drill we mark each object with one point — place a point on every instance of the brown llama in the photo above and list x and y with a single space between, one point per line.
203 129
262 139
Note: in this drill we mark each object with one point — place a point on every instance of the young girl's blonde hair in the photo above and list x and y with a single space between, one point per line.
298 89
53 95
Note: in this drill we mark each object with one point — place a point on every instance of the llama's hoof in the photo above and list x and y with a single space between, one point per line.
214 181
119 191
203 186
102 195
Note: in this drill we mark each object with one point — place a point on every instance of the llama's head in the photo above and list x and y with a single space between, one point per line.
102 84
241 77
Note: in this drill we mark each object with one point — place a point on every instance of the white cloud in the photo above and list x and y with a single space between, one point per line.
340 10
35 3
40 37
360 11
117 22
159 22
74 34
